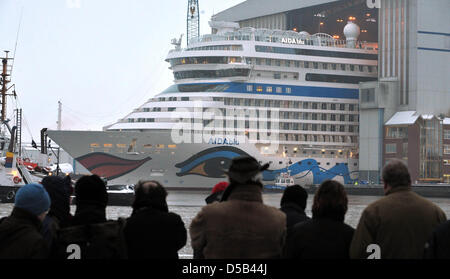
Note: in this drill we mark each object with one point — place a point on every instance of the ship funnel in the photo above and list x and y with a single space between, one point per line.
351 33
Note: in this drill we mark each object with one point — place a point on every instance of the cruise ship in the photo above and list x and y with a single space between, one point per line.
286 98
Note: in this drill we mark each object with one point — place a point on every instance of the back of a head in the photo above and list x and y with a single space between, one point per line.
330 201
150 194
295 194
57 187
91 189
32 198
396 174
59 190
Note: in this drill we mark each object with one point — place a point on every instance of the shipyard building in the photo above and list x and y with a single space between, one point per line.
405 114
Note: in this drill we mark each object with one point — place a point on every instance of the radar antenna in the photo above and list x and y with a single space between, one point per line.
193 21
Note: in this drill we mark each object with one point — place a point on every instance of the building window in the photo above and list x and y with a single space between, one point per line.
268 62
277 76
397 132
447 134
316 65
306 64
297 64
368 95
391 148
334 66
447 149
287 63
343 67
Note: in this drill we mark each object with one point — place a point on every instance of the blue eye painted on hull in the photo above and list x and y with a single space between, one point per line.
211 162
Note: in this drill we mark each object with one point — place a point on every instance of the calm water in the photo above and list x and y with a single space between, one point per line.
187 204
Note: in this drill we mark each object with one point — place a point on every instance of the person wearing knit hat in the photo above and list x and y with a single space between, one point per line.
34 199
20 236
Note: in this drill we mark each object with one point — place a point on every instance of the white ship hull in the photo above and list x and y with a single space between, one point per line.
127 157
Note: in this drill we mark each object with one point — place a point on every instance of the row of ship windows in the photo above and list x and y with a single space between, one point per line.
269 115
273 62
161 147
123 145
217 47
261 103
312 65
266 125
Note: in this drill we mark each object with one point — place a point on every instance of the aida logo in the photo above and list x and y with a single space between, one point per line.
372 4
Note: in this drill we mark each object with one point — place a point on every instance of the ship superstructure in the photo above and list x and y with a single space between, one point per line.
285 97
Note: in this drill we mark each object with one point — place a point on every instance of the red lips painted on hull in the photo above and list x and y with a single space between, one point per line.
109 166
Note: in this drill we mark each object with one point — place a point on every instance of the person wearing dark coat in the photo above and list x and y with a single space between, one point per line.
20 236
293 204
97 237
438 246
59 190
325 236
152 232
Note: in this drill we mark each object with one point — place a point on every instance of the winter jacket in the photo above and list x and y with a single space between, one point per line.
153 233
399 223
20 237
239 227
294 214
319 239
438 245
96 237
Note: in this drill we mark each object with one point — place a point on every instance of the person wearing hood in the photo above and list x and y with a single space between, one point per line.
20 236
97 237
59 190
241 226
152 231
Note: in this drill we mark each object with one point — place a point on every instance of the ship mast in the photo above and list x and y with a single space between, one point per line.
6 73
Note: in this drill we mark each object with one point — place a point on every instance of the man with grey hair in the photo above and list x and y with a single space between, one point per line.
399 223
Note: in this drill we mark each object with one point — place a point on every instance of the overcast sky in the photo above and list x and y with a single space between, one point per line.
101 58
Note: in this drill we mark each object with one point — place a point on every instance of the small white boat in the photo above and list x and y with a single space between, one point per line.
283 181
